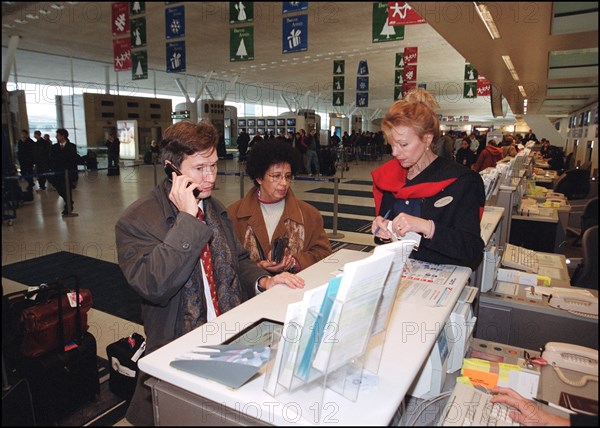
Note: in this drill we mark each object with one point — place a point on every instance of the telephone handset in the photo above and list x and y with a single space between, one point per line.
576 303
572 357
170 169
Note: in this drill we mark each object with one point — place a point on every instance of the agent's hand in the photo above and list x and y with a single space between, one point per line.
182 194
382 224
286 263
404 223
526 412
286 278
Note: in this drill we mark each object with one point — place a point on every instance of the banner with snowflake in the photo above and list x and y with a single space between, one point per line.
120 19
175 22
410 73
122 54
382 31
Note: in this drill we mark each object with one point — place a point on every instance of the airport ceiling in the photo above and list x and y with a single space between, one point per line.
553 46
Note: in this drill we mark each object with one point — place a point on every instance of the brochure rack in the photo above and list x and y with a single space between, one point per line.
337 357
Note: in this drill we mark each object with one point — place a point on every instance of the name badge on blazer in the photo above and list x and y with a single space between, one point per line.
443 201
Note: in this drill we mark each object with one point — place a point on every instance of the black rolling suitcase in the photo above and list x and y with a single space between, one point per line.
63 379
122 357
113 170
326 162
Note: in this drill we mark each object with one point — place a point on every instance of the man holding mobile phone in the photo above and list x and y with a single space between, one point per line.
177 249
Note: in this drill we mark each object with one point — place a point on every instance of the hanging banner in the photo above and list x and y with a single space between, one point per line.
241 44
362 99
295 34
382 31
338 98
400 13
399 59
122 54
338 83
175 22
139 63
410 73
294 6
470 90
399 76
470 72
484 88
407 86
411 55
362 83
241 12
176 57
138 32
339 66
120 19
397 92
137 7
363 68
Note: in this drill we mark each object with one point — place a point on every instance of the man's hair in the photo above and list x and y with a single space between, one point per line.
63 132
37 133
185 139
267 153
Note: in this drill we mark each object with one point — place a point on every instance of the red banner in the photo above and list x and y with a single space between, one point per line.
410 73
122 54
400 13
407 86
411 55
483 88
120 19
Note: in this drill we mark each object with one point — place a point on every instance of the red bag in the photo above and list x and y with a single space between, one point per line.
40 323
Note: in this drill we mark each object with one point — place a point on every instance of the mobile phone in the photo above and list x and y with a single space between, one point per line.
170 169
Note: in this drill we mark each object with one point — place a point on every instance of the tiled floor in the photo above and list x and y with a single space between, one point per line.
39 228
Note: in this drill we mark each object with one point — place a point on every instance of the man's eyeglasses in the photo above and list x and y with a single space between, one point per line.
278 177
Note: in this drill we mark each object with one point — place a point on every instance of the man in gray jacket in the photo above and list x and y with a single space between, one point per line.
177 249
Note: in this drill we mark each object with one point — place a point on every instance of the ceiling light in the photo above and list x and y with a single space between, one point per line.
487 19
8 26
44 11
32 16
57 6
510 67
20 21
522 90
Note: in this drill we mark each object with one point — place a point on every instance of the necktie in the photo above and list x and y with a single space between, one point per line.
208 270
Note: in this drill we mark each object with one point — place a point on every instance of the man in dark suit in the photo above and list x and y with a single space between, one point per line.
63 157
530 136
25 155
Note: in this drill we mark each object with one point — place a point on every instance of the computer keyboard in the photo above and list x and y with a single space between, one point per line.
520 258
468 406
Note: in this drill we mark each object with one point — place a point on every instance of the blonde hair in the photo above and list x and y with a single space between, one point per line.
415 110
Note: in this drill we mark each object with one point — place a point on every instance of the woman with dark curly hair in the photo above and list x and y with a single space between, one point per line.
270 210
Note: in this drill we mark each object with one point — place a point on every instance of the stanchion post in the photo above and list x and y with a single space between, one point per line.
154 166
335 234
241 183
68 191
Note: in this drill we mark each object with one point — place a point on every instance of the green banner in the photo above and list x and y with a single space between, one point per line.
137 7
398 92
400 60
338 98
382 31
470 72
399 76
470 90
139 65
138 32
338 83
339 66
241 12
241 44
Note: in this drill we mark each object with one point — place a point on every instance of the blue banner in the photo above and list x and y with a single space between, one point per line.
362 83
175 22
362 99
363 68
176 57
295 34
294 6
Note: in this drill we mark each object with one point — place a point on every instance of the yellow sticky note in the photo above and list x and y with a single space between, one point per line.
544 280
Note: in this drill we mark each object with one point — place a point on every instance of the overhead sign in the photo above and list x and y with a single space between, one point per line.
182 114
382 31
400 13
241 44
295 34
175 57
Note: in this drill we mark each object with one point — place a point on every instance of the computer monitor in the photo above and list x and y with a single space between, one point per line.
260 122
251 122
280 122
291 122
270 122
241 122
261 131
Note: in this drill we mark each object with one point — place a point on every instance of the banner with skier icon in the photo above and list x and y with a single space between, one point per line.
241 12
241 44
295 34
176 57
382 31
139 62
